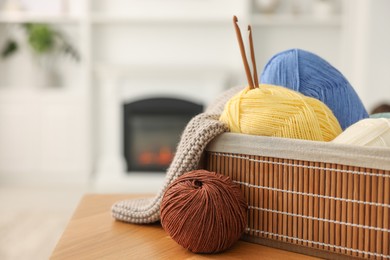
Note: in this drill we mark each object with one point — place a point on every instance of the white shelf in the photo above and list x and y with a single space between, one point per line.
22 17
177 19
151 69
295 20
34 92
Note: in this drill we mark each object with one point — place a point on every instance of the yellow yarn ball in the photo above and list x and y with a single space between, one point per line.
280 112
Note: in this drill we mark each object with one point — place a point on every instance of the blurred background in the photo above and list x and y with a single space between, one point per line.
95 93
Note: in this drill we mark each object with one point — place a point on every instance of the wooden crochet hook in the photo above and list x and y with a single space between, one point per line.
253 82
252 50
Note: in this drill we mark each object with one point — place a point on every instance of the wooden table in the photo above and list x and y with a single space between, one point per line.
93 234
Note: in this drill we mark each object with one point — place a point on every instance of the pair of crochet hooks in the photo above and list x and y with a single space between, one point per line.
253 82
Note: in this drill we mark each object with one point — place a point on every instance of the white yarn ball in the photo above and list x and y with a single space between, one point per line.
367 132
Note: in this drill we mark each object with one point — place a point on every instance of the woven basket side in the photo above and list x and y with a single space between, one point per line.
313 205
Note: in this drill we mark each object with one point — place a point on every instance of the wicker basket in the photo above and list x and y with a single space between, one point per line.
316 198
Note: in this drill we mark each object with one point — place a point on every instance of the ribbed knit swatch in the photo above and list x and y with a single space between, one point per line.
197 134
311 75
280 112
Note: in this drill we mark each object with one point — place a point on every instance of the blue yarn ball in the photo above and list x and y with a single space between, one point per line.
314 77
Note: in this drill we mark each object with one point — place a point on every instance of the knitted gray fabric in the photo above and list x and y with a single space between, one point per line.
197 134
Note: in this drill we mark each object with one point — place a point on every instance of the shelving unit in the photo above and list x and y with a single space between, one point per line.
38 18
100 15
114 36
112 19
292 21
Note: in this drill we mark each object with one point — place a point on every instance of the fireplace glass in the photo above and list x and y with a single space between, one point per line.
152 131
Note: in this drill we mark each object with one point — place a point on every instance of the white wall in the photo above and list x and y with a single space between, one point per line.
377 83
366 49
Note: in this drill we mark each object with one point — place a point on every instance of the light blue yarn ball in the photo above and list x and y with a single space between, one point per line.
314 77
380 115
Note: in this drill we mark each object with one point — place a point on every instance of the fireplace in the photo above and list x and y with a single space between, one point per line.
152 129
131 90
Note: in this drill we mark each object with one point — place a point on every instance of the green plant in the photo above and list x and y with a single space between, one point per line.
42 39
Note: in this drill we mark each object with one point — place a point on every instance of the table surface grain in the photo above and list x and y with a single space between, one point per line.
92 233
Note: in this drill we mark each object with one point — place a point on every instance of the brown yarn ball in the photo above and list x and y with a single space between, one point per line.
204 211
